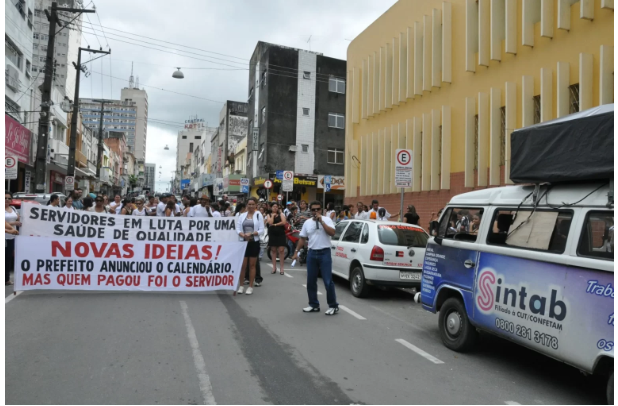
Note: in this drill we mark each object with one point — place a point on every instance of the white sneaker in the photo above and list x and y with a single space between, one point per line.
332 311
241 290
257 284
311 309
249 291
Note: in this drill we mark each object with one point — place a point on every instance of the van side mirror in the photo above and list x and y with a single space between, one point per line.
438 240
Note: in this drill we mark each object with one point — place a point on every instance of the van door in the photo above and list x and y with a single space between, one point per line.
453 262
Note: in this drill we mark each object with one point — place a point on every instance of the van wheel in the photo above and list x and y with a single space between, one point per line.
455 329
610 389
358 284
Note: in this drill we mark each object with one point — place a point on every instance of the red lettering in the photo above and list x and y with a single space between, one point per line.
202 279
120 280
47 280
81 249
224 280
28 277
193 253
157 251
98 252
57 246
110 281
189 283
171 250
180 250
101 279
150 280
85 279
113 250
38 280
207 253
217 280
230 280
208 280
176 281
128 251
147 252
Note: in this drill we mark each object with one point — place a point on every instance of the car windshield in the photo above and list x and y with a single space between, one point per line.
407 236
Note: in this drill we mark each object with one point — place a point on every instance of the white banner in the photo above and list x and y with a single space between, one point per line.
78 264
47 221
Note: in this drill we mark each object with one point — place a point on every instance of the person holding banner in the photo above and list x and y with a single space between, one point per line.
140 210
151 206
99 205
11 217
116 205
68 203
250 226
54 201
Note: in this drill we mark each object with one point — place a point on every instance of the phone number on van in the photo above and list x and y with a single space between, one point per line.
527 333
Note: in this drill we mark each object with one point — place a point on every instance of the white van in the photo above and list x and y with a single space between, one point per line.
534 265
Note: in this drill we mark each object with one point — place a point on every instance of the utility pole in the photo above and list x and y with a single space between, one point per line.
43 138
74 116
100 149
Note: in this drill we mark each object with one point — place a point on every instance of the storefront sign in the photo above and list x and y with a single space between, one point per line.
194 124
218 187
184 184
208 179
258 181
17 139
57 177
336 182
299 180
27 177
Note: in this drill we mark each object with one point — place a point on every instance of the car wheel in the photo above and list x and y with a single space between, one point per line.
358 284
610 389
455 329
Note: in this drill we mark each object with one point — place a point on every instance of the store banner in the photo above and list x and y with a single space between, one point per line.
16 139
44 221
89 264
336 182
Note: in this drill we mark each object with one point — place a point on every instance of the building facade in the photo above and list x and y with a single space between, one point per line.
150 176
297 107
451 80
137 140
195 134
118 115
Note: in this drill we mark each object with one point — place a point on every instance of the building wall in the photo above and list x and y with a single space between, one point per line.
305 124
19 34
421 76
120 115
150 172
140 97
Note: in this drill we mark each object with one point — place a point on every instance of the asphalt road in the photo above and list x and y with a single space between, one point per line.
146 348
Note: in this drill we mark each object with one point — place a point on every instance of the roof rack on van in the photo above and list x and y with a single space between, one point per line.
575 148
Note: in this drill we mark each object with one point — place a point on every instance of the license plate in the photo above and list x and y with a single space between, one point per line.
409 275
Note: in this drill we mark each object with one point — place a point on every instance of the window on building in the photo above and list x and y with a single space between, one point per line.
574 98
190 147
251 92
263 114
263 79
21 6
305 148
35 35
502 135
28 67
305 111
335 156
37 12
13 54
30 16
306 75
336 85
537 109
198 137
184 137
336 120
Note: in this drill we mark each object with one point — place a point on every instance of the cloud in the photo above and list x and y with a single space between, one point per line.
226 27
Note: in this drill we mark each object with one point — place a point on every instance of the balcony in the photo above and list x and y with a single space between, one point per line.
106 175
92 167
60 152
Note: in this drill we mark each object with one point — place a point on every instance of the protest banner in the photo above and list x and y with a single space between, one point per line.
45 221
95 264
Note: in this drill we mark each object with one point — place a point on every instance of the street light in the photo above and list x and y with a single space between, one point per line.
166 148
178 74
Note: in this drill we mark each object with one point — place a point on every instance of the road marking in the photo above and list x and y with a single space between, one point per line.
353 313
288 275
319 293
419 351
11 297
198 359
511 402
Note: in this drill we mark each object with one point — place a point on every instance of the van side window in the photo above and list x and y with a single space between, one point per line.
597 238
460 223
542 230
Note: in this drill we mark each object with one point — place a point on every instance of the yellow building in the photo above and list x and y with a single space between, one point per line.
451 80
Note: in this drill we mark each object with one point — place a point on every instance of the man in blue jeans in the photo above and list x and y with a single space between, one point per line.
318 229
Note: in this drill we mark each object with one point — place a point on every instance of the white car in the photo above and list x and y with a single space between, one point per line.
378 253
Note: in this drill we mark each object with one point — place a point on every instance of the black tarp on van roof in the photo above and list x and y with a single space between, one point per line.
576 147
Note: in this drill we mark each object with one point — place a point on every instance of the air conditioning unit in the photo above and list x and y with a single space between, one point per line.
293 148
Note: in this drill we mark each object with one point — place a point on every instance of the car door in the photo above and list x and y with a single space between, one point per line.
348 247
451 258
339 230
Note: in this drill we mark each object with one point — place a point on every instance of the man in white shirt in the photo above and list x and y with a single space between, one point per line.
375 206
204 209
361 214
116 205
162 203
319 230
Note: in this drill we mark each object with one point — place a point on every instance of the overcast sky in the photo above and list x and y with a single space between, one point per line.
215 27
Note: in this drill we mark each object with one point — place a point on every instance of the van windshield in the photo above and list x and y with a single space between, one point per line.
402 235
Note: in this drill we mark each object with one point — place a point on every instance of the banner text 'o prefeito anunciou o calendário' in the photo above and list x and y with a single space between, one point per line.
95 264
54 222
